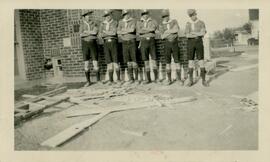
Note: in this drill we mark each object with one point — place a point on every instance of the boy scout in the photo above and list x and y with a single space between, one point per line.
169 32
146 29
108 32
195 30
88 34
127 32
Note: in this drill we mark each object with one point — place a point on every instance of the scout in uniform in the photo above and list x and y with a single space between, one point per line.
169 32
195 30
108 32
88 34
146 29
127 32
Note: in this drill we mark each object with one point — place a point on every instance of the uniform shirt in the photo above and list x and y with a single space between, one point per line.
171 24
197 26
90 26
126 25
111 27
149 24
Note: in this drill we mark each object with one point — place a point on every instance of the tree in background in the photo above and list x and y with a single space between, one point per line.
247 27
228 34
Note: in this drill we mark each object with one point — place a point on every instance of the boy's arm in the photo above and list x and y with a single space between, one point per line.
113 31
82 32
202 32
188 33
119 29
131 29
151 27
94 31
174 29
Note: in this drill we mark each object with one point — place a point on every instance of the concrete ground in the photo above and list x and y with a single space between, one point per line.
215 121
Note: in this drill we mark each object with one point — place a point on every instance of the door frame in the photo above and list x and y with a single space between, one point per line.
18 46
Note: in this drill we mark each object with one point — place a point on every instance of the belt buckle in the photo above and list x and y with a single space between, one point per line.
147 38
109 40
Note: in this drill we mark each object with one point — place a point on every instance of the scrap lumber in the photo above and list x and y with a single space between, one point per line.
103 96
72 131
29 96
23 116
159 103
22 105
48 94
112 109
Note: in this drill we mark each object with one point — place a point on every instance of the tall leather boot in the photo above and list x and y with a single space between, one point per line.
136 73
203 72
118 74
98 75
190 83
130 74
111 76
169 75
87 75
147 77
178 75
155 74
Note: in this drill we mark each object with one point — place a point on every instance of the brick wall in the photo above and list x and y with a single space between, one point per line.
54 25
32 43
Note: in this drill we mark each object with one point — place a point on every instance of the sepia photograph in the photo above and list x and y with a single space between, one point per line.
136 79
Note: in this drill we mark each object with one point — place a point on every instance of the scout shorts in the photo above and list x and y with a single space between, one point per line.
195 46
148 47
110 51
171 49
89 50
129 51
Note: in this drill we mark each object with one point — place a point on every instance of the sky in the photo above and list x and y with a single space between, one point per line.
215 19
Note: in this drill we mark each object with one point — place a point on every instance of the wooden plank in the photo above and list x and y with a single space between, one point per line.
40 109
159 103
112 109
22 105
48 94
29 96
21 111
72 131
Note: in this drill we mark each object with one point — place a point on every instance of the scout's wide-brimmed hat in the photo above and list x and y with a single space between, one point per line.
87 13
191 12
144 12
124 12
107 12
165 13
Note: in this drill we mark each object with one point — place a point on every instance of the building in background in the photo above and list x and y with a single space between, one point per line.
254 20
241 37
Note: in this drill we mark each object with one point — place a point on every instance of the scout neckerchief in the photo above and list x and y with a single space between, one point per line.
145 22
88 25
193 24
107 27
167 23
126 21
